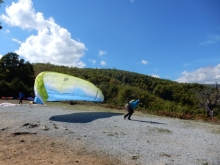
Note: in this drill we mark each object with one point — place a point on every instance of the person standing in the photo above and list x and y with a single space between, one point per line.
21 95
130 106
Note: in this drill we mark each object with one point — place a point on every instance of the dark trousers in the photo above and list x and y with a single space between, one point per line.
130 112
20 101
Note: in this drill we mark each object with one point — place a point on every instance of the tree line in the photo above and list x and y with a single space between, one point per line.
158 96
15 75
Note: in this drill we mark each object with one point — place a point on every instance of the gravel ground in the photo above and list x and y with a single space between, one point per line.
143 140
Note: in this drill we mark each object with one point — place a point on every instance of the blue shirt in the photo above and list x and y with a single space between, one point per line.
21 95
134 104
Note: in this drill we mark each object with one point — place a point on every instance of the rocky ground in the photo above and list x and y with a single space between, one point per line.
77 134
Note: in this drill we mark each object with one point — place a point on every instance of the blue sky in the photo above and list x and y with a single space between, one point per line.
177 40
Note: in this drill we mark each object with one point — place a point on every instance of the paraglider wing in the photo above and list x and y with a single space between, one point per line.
52 86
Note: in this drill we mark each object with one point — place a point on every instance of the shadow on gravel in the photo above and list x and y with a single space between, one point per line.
151 122
82 117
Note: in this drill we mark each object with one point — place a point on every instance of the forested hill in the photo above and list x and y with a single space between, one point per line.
158 96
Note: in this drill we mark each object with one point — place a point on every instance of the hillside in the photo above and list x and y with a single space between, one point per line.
158 96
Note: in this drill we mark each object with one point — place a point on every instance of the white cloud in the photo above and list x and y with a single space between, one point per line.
101 53
212 39
7 31
93 61
51 44
16 40
186 64
155 75
103 63
132 1
22 14
206 75
144 62
1 56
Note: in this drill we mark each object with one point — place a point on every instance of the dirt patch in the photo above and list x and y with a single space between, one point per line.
26 149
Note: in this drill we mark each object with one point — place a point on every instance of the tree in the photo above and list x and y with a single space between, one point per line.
12 67
209 99
17 86
164 92
4 88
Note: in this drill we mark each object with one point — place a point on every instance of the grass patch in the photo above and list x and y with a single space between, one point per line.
110 134
215 131
159 130
164 154
52 144
163 130
113 134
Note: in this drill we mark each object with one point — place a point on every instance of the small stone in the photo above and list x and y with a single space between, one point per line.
45 127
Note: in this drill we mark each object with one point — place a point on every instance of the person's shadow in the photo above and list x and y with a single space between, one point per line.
82 117
151 122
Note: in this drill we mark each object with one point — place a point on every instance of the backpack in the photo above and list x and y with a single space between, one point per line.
128 106
133 100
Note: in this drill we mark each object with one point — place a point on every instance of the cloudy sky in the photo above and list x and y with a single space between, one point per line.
177 40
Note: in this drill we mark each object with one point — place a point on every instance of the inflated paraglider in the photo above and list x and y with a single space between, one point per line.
52 86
